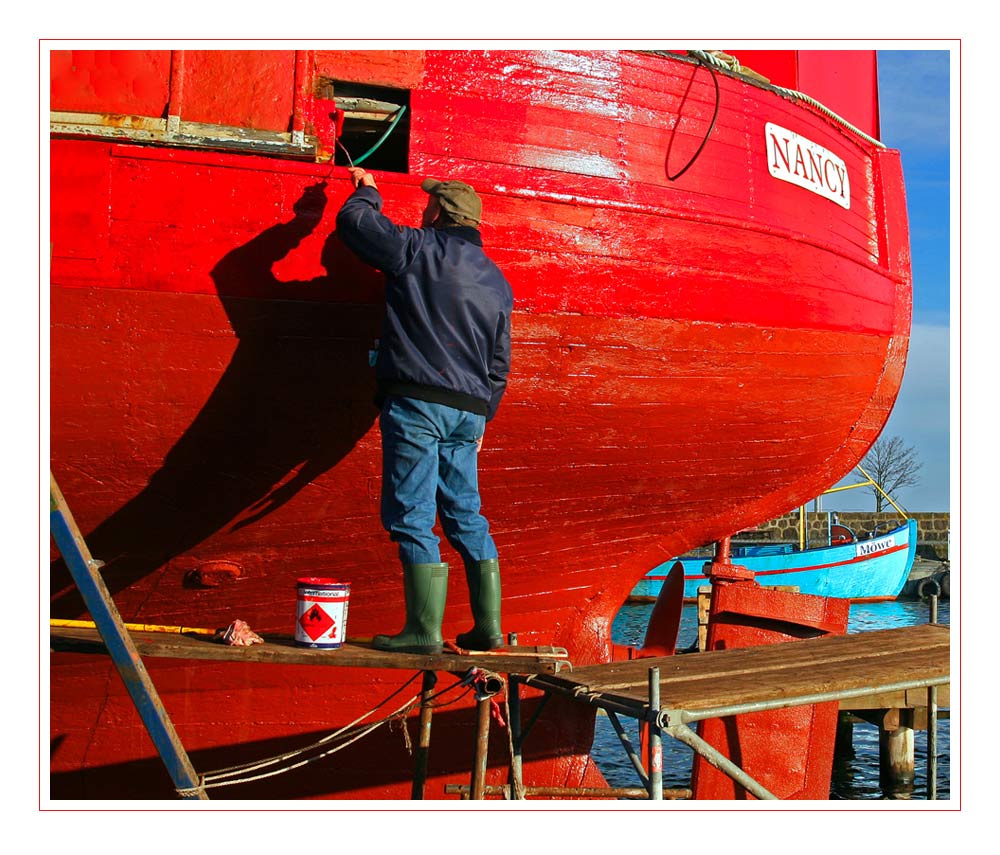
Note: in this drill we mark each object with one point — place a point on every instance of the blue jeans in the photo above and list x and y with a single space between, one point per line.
429 467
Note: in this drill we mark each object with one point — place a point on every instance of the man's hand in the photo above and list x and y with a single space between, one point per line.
360 176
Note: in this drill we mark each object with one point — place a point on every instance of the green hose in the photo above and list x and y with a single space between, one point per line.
382 139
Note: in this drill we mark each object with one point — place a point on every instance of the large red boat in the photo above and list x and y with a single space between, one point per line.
712 306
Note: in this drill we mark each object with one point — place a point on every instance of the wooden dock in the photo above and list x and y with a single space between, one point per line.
886 670
875 664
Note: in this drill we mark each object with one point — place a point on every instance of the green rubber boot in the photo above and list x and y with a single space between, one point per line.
484 596
425 588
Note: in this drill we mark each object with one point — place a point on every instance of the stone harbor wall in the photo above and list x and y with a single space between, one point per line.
933 530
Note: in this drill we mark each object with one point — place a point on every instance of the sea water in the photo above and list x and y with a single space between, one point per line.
853 778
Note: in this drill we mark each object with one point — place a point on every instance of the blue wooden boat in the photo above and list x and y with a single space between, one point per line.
868 569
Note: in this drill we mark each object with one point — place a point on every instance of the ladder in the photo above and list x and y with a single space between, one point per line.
86 574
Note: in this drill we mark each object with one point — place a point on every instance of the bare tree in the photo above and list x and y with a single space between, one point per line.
893 466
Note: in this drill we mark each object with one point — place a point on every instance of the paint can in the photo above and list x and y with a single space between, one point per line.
321 619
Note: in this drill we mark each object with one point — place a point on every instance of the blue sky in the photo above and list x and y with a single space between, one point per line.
914 96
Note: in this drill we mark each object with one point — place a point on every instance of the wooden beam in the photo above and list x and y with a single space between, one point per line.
283 650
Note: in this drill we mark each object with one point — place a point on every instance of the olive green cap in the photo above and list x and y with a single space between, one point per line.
456 198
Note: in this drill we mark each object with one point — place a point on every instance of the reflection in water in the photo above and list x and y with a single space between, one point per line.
855 778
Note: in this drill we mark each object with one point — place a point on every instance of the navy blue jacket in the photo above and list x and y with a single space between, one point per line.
446 331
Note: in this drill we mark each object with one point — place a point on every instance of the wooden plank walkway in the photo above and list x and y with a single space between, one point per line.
278 649
702 684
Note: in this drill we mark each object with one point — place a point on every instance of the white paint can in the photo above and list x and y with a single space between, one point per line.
321 619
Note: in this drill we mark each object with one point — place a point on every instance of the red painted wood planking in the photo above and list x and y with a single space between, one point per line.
690 358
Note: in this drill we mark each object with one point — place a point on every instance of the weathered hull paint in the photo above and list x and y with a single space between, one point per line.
690 359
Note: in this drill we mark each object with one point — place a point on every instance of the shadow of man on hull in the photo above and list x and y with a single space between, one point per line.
293 402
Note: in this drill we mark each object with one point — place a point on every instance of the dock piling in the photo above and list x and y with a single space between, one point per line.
843 745
896 754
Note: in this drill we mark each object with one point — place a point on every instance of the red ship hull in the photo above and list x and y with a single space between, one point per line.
691 357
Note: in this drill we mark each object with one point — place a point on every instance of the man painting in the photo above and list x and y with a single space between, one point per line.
441 370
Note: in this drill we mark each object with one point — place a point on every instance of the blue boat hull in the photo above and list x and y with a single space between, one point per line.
873 569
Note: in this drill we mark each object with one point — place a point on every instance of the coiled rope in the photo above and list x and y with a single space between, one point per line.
731 63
